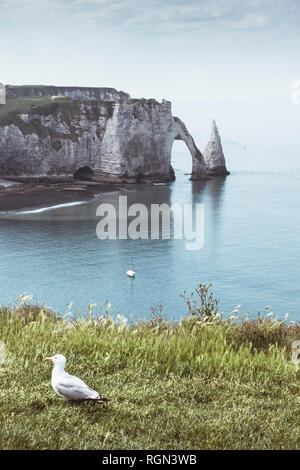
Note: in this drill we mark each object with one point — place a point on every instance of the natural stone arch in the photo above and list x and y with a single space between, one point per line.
180 132
128 140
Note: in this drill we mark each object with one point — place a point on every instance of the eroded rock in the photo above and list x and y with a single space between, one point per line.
213 154
126 140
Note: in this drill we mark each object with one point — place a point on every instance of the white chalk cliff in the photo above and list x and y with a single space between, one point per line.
123 140
213 154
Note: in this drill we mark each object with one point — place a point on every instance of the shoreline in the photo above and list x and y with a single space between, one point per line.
17 197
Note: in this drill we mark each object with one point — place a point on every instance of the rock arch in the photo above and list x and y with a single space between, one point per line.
128 140
180 132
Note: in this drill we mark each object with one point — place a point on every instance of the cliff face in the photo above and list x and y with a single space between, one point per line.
124 140
130 139
139 138
56 140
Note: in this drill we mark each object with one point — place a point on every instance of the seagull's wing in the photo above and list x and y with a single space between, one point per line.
73 388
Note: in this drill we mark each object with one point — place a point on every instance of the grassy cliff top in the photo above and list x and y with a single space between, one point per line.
44 106
23 91
204 383
26 106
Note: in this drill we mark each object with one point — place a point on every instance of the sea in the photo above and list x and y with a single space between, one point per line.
251 230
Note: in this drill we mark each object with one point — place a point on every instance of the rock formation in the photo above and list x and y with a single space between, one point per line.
122 140
213 154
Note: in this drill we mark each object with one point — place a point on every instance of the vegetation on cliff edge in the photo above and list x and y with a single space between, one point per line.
11 112
202 383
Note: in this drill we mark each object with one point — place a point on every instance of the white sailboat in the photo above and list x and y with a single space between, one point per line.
131 272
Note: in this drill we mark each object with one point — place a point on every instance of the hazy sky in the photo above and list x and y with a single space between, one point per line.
173 49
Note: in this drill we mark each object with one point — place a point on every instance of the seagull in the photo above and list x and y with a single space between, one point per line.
68 386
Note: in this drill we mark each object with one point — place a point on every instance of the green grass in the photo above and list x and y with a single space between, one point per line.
204 383
44 106
23 106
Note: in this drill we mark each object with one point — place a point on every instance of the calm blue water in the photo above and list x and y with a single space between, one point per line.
251 249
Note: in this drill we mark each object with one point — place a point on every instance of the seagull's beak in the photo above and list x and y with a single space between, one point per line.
48 359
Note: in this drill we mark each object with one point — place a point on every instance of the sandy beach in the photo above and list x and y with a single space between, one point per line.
28 195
